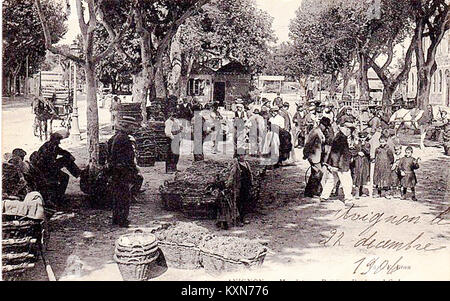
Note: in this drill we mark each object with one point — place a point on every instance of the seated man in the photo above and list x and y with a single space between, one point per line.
47 162
13 180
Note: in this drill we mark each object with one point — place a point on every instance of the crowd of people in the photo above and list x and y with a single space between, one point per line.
344 150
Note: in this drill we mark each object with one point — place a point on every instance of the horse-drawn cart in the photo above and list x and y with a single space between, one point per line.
56 103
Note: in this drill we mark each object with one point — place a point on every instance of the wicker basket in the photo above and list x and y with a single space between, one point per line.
145 161
171 201
19 229
215 264
181 256
197 206
136 269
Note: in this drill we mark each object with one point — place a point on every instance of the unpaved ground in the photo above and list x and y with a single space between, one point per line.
307 240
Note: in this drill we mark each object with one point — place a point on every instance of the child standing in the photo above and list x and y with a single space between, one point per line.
395 174
361 162
407 166
384 158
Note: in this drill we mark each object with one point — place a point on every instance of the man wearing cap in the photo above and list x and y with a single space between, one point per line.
338 164
173 129
300 124
313 153
311 119
284 112
278 121
278 101
257 131
47 161
124 172
328 111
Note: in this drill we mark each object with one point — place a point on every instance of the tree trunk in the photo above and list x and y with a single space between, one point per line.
334 84
173 85
141 86
423 87
363 80
386 101
92 116
160 86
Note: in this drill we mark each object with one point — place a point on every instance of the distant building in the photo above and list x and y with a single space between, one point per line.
440 82
224 85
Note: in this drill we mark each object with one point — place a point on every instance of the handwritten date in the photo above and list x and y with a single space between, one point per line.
377 265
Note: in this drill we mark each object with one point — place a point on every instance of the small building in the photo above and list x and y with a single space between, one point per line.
224 85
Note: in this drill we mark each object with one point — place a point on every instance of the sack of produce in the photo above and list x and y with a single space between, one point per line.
179 244
228 254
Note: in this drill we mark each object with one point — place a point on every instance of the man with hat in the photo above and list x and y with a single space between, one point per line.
300 124
278 123
313 153
284 112
311 119
338 164
173 130
124 172
328 111
50 159
257 131
278 101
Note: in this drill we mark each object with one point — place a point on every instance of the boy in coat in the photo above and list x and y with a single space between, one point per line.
407 166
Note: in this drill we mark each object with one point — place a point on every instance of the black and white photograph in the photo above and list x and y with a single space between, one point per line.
225 140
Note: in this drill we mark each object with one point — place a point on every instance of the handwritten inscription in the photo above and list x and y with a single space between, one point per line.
376 265
372 235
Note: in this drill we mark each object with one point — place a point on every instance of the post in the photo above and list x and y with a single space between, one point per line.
76 136
26 77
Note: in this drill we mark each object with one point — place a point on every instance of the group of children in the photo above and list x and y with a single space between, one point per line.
391 171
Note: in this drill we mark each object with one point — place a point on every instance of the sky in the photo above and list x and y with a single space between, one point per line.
281 10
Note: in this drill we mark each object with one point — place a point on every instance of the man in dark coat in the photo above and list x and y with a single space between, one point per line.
50 159
300 124
338 163
124 173
313 153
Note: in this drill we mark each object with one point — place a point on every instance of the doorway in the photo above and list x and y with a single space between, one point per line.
219 93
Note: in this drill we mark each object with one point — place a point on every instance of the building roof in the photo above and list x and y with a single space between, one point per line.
233 67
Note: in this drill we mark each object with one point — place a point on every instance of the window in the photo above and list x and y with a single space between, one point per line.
196 87
412 82
433 83
440 81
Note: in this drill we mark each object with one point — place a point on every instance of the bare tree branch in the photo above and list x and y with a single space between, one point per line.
81 22
115 37
48 40
188 13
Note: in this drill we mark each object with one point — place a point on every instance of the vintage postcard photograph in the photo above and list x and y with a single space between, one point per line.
225 140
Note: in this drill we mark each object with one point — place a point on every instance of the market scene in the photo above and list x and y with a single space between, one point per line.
225 140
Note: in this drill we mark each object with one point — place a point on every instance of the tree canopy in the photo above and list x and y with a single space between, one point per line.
23 35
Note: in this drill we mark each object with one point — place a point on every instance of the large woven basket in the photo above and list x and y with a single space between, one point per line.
20 229
136 260
199 206
181 256
135 268
216 264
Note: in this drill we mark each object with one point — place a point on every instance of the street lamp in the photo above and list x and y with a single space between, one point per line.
76 136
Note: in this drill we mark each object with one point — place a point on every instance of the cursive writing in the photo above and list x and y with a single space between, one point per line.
376 265
389 244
